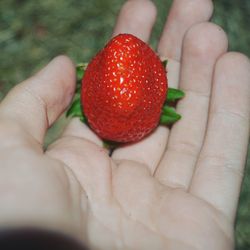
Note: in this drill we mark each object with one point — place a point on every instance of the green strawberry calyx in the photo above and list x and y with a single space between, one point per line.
75 109
168 116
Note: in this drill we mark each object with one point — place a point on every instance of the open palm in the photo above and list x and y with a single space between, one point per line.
176 189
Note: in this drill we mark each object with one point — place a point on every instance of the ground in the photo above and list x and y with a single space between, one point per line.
33 32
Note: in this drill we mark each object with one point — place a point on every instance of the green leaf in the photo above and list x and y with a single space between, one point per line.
80 69
75 110
174 94
169 116
164 63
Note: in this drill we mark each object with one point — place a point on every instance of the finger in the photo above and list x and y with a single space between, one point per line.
203 44
37 102
136 17
147 153
183 15
220 166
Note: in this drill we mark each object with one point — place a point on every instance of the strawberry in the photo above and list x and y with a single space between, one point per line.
123 90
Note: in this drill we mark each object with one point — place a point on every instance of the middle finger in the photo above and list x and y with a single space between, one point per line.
150 150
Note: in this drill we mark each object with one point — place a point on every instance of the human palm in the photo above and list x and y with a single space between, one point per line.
176 189
128 208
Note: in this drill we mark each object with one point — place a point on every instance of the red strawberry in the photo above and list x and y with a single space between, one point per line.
123 90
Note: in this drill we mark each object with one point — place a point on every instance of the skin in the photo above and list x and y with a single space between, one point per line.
176 189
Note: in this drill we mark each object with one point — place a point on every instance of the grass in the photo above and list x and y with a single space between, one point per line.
33 32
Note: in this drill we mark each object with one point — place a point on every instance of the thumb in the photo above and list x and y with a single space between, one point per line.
37 102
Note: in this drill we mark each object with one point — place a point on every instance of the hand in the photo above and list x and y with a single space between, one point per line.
176 189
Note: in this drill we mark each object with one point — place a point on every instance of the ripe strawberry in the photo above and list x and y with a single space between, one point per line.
123 90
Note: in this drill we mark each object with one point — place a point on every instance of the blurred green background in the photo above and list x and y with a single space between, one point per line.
33 32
